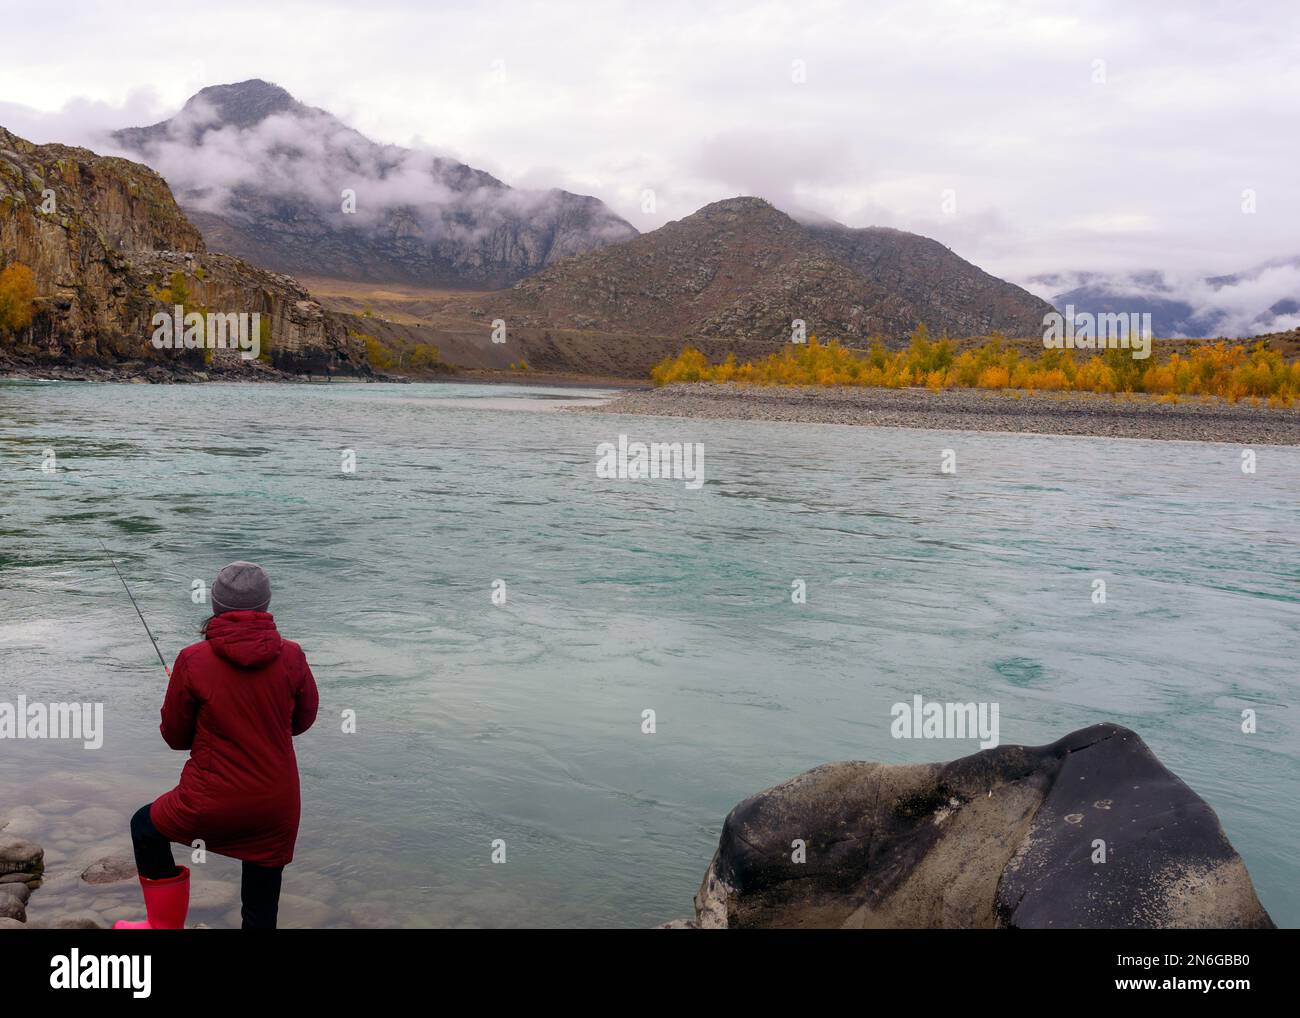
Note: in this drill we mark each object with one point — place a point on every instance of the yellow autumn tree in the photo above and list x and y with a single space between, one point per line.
1228 372
379 356
424 356
17 298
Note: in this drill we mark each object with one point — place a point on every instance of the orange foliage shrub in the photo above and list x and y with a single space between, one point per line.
17 298
1228 372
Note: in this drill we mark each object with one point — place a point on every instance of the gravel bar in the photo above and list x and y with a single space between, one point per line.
1138 416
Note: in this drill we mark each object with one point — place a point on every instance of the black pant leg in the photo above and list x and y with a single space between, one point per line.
260 891
153 852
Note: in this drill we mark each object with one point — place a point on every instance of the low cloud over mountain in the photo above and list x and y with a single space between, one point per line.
1262 299
294 188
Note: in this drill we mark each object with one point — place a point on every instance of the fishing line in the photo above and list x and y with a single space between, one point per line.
161 659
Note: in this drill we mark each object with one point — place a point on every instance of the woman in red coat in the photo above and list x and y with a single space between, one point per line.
235 700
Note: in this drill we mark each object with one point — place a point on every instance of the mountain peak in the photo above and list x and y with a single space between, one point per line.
242 104
740 202
245 103
741 206
750 209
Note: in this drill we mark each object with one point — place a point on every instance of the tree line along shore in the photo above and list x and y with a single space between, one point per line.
1258 372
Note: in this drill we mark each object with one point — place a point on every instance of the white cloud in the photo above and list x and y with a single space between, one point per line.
1053 170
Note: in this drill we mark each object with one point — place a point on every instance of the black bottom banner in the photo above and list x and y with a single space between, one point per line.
211 967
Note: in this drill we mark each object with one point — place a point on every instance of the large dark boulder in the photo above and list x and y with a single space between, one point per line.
1091 831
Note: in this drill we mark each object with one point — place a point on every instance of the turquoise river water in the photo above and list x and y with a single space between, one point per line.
522 721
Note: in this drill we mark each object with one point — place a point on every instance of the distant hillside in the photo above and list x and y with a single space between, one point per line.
263 176
743 270
946 292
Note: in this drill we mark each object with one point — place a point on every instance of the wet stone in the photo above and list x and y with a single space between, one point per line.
111 869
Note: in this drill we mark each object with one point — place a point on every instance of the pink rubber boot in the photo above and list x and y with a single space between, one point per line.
166 903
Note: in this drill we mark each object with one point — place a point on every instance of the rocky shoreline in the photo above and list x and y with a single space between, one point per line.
66 863
106 888
22 871
87 894
1135 416
135 373
160 373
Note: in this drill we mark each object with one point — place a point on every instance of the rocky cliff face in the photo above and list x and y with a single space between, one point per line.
414 217
104 237
742 270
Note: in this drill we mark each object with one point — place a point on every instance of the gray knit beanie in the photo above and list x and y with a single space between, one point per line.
241 586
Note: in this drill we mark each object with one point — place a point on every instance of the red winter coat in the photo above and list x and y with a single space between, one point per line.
235 701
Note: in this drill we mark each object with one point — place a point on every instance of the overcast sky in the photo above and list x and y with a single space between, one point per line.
1056 161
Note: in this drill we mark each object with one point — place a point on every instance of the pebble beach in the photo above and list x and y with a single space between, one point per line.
1127 416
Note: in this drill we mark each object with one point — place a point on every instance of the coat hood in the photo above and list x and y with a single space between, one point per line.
245 638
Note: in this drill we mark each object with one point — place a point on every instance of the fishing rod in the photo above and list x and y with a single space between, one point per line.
137 609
